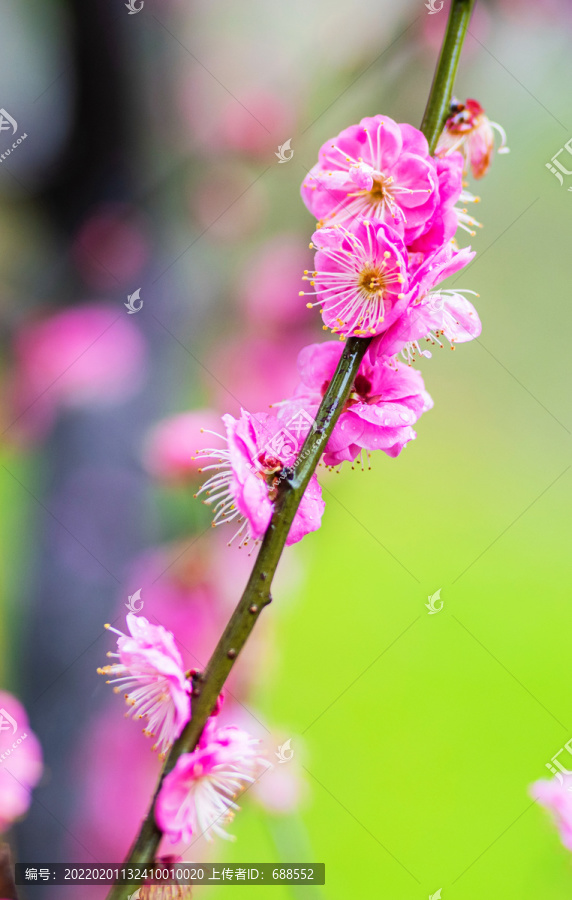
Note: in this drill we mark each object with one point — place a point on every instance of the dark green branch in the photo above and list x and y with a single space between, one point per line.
257 592
437 108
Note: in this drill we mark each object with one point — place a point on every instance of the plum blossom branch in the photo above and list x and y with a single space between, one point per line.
292 484
437 108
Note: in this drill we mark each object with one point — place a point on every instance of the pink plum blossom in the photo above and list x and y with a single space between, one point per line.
189 587
360 277
159 889
555 794
387 398
20 760
377 169
150 671
469 130
247 477
170 447
198 795
447 216
429 313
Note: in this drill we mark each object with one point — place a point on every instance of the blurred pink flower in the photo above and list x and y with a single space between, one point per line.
281 790
20 760
360 277
270 372
469 130
378 169
271 281
116 774
150 669
433 29
229 202
254 123
257 123
198 794
189 587
386 400
555 795
246 478
171 444
111 246
530 13
85 355
282 787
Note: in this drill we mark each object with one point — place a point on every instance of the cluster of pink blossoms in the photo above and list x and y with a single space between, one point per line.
388 213
198 796
387 218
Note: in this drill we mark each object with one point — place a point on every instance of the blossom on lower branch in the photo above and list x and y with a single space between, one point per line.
164 892
159 889
247 476
199 793
150 671
386 399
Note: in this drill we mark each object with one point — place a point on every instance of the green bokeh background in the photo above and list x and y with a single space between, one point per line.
422 733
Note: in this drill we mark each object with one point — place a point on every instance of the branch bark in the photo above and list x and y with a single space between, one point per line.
257 592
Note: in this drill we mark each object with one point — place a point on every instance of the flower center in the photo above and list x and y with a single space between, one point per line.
360 393
372 280
378 191
269 466
362 386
